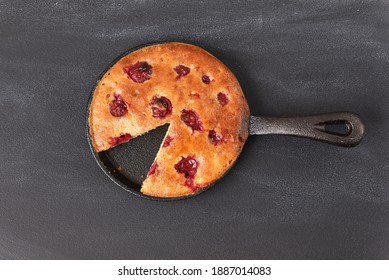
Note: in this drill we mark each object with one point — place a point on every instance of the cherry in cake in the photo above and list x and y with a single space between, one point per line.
181 71
186 87
192 119
139 72
117 107
216 138
161 107
222 98
123 137
206 79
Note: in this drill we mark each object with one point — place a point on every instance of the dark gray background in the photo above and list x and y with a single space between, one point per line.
285 197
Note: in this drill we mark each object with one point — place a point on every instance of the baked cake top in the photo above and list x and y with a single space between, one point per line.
185 86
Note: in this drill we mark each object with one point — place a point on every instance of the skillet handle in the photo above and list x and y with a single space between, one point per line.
313 127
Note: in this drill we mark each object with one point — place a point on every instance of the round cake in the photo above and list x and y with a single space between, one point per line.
191 90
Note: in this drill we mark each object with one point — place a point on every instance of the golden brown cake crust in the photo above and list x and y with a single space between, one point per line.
219 104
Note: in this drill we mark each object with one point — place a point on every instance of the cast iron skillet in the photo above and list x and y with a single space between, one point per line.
128 163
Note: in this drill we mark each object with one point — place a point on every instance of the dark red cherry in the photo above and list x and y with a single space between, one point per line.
114 141
188 166
215 138
117 107
206 79
190 184
139 72
167 141
191 119
181 71
161 106
222 98
153 168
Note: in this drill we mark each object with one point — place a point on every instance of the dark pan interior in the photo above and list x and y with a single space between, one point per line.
130 162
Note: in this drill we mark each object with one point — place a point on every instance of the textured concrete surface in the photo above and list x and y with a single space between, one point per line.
285 198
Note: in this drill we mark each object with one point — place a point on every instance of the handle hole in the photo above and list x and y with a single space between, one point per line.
340 127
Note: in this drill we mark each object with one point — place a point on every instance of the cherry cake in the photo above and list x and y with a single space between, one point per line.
187 87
